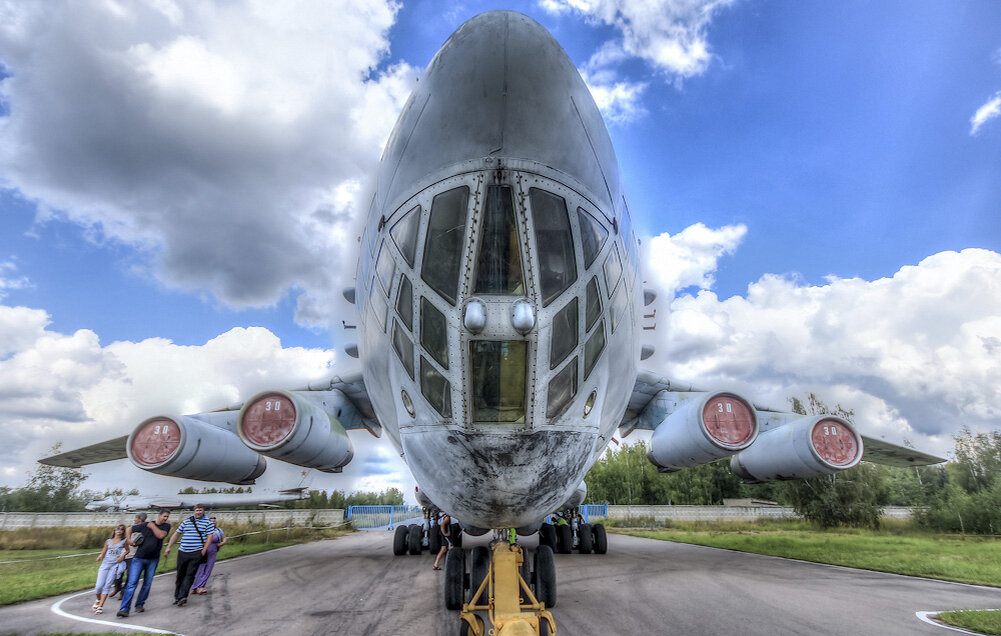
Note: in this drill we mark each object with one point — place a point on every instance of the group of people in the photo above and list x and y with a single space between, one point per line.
135 552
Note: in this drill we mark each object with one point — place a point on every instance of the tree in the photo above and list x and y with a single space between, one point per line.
49 489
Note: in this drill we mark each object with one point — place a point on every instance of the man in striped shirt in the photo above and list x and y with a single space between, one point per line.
196 533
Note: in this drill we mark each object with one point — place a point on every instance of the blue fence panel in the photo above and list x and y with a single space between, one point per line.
594 510
371 517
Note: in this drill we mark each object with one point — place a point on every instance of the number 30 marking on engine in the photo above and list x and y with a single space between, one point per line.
729 407
277 405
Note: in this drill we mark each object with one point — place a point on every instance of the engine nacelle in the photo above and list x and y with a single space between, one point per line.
185 446
300 427
807 447
704 429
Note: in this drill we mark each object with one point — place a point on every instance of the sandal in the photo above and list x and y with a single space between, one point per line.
95 606
435 567
99 610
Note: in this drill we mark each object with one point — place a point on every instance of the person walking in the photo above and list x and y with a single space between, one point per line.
122 572
148 539
111 555
445 526
205 569
196 533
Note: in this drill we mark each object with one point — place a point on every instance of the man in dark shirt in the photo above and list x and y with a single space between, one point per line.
145 561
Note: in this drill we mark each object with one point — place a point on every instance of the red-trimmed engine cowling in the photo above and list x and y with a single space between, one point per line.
707 428
807 447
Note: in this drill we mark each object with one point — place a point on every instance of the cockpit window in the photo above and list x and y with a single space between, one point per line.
592 236
564 334
443 246
626 230
499 378
593 348
436 388
593 303
562 388
434 332
613 269
498 270
620 306
404 234
404 348
554 241
405 302
386 267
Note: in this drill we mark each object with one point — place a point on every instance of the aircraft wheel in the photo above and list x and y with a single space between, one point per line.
434 540
479 565
456 532
545 576
547 535
600 538
543 627
414 535
564 539
400 540
464 629
585 538
455 574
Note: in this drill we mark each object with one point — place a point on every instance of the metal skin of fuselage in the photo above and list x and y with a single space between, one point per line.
501 104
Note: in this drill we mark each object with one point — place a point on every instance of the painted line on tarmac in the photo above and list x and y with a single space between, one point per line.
56 608
926 618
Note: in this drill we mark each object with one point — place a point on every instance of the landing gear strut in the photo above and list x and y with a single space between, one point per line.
503 591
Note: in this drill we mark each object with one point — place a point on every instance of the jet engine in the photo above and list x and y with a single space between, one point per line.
806 447
188 447
299 427
705 428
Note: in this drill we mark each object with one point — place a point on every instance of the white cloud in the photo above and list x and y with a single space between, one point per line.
9 278
229 141
990 110
916 355
668 34
690 257
70 388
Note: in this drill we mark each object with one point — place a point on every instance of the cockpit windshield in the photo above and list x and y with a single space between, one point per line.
443 247
499 379
498 269
554 241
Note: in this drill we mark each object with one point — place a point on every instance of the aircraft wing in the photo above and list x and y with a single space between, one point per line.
107 451
352 385
641 413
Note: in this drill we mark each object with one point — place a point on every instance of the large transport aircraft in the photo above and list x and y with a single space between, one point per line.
499 310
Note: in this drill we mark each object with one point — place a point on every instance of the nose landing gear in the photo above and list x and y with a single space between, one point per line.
504 592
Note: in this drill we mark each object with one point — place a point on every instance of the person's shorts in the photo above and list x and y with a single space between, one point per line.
446 541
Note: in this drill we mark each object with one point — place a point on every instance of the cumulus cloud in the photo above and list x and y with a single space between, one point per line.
990 110
691 257
916 355
9 279
229 141
71 388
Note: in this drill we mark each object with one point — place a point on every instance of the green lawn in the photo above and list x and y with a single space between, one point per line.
966 559
973 620
38 578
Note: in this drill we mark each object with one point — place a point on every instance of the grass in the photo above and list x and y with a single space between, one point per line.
897 547
974 620
38 578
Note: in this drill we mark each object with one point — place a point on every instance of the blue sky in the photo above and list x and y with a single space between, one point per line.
178 172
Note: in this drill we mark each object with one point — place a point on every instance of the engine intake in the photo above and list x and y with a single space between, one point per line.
185 446
706 428
299 427
806 447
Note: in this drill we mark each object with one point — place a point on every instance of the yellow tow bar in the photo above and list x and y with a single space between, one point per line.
511 606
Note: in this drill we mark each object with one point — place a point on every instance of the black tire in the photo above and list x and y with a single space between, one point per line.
545 576
585 538
455 575
464 627
526 568
434 540
543 627
547 535
456 535
400 540
415 536
564 539
600 538
479 565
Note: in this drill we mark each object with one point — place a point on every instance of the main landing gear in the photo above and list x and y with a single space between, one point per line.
417 537
500 583
575 534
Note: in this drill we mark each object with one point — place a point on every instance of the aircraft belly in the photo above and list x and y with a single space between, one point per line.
498 480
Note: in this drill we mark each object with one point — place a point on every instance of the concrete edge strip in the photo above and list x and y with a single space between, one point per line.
839 567
56 608
926 617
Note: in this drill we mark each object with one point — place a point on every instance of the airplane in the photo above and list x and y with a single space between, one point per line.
499 306
114 503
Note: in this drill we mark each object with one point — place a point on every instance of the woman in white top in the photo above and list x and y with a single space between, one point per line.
112 554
